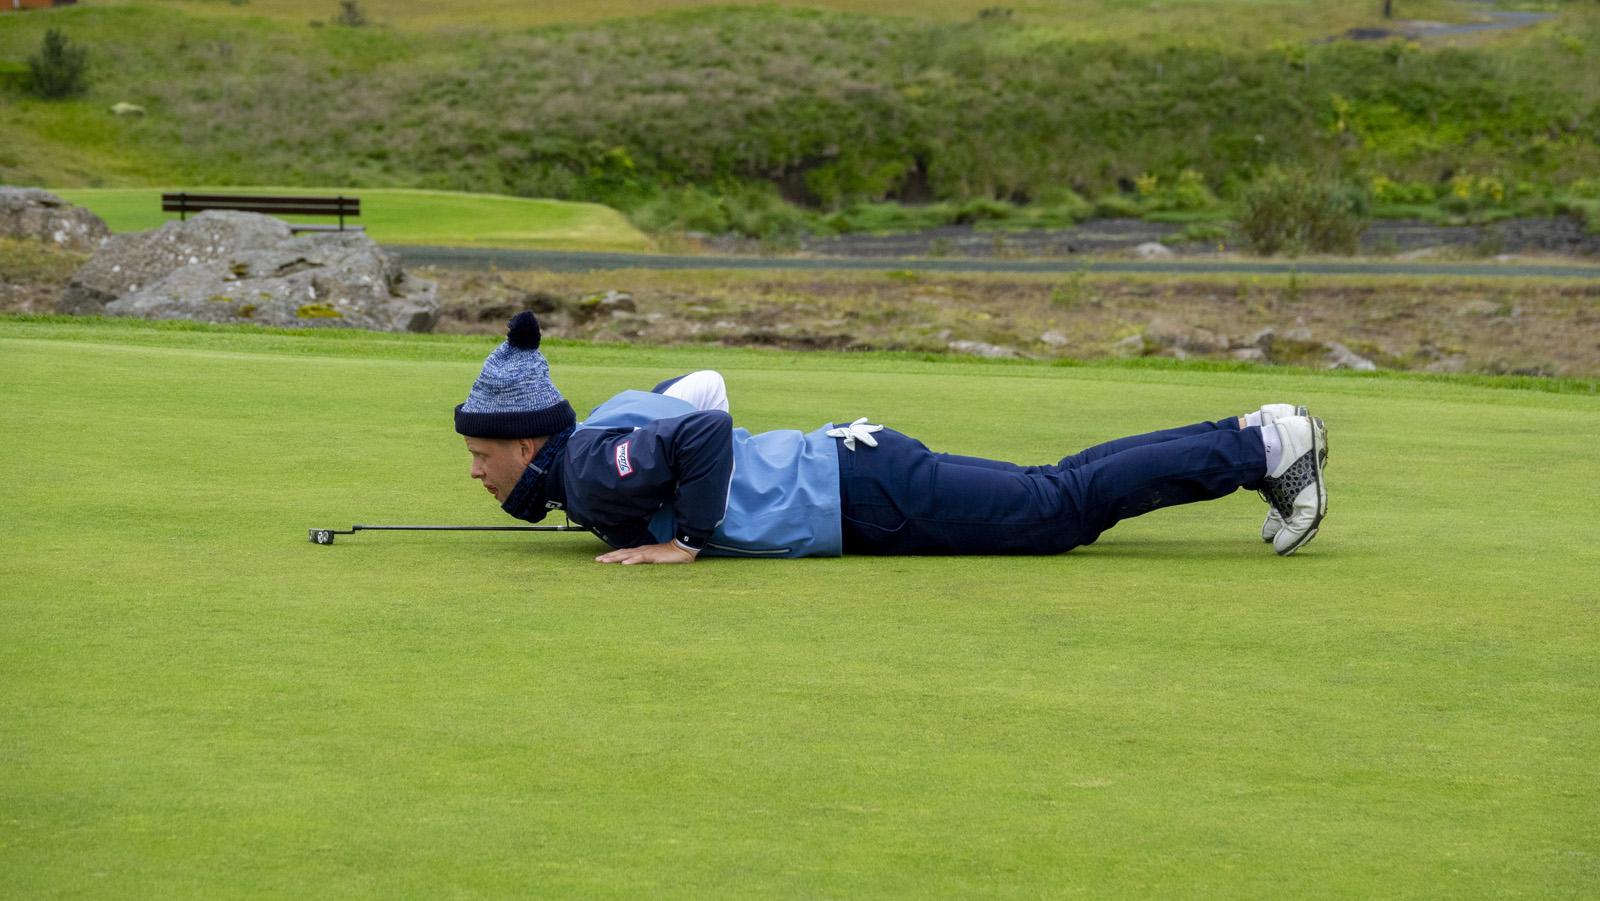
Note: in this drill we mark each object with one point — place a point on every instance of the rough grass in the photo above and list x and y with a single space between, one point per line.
1254 22
200 703
399 216
831 107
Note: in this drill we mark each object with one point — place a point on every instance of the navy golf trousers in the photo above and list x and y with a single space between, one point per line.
901 498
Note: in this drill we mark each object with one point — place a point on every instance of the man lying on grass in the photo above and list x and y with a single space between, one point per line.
664 477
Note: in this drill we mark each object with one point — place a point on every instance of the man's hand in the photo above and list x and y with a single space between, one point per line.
671 552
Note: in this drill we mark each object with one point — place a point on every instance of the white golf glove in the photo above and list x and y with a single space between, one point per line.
859 430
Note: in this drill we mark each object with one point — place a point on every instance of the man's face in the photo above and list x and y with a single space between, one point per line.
499 462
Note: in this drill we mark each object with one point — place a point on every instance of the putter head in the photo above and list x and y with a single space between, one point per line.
322 536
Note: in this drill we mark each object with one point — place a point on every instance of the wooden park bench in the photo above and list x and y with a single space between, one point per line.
185 203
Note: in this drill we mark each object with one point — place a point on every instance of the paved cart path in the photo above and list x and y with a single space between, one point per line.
580 261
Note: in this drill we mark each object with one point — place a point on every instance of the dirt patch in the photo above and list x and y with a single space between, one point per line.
1542 327
1524 326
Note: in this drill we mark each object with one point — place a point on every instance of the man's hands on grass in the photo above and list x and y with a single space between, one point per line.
671 552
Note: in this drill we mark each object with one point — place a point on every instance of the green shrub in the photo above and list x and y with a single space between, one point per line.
883 218
982 209
1386 191
754 212
1469 193
60 69
1118 206
682 210
1296 211
1186 193
351 14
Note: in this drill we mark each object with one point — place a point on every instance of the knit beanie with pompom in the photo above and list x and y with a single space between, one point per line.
513 396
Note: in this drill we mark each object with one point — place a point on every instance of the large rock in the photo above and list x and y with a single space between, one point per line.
342 280
247 268
134 260
1154 250
1165 330
42 216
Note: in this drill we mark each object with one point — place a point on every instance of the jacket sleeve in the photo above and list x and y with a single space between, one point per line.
700 446
619 478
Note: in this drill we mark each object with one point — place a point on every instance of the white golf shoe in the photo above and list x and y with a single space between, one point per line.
1271 413
1296 489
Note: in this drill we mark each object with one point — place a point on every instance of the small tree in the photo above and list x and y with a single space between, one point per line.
1296 211
350 14
59 70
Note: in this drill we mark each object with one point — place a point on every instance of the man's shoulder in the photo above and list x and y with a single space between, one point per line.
633 409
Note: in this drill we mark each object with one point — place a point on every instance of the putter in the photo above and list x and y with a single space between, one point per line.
325 536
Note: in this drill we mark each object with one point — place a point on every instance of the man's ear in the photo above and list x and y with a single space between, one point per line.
527 449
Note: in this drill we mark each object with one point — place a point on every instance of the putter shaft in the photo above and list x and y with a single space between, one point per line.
325 536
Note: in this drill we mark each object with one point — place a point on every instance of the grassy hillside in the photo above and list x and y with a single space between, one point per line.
1256 22
827 107
200 703
401 216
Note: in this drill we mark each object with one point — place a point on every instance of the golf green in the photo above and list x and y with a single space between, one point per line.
198 702
407 216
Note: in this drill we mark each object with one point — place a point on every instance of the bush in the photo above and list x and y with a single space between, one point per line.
753 212
1187 194
60 70
1416 192
1295 211
1117 206
881 218
981 209
351 15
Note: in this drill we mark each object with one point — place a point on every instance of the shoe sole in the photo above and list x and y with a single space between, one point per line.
1319 453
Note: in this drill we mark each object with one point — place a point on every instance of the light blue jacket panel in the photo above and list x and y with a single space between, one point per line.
784 498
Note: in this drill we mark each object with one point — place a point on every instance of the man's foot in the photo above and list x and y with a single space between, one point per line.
1271 413
1296 490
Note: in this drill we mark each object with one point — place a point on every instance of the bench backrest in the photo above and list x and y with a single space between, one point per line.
184 202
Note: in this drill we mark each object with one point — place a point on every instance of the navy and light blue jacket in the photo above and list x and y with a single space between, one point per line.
645 468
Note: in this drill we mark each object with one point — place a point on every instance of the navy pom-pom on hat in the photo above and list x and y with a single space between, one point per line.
523 331
513 396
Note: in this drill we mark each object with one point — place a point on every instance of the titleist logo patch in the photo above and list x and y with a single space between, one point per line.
623 466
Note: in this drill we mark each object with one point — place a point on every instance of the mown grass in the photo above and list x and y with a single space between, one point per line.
401 216
199 703
826 108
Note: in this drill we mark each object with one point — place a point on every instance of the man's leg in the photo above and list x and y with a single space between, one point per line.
900 498
1099 451
1148 477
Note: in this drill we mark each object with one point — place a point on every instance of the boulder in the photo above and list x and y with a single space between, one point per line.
1131 346
337 279
1341 357
1154 250
37 214
134 260
982 349
1170 332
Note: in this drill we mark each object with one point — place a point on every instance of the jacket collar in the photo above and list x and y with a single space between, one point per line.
529 501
